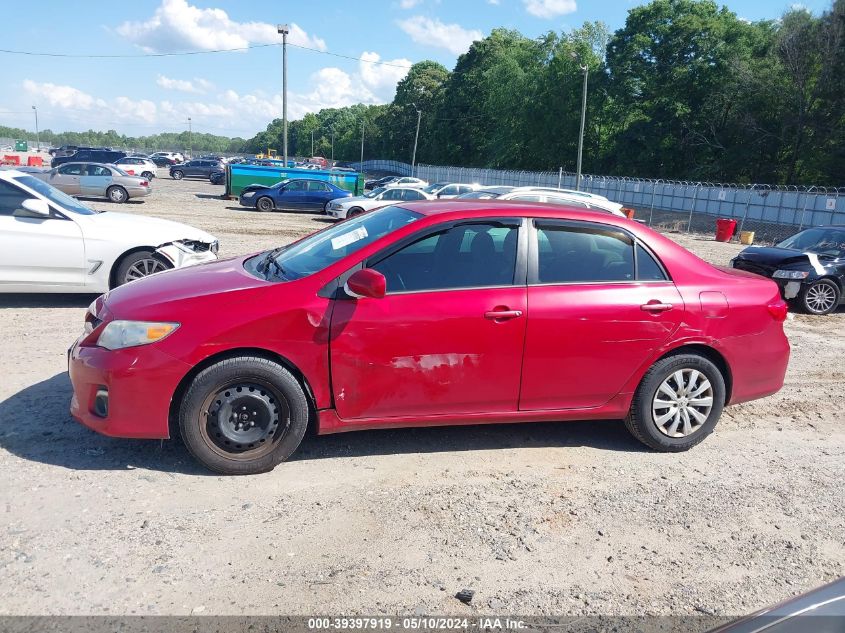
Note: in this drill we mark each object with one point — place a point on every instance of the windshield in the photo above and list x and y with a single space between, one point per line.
480 195
60 199
375 192
322 249
820 241
435 187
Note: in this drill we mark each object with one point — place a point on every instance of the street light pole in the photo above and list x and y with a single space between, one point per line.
37 139
284 30
190 153
584 68
312 142
332 147
416 139
362 145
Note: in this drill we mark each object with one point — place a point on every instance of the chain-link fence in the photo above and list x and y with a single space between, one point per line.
771 212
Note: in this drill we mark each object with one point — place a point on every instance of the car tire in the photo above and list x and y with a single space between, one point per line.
270 428
137 265
681 431
148 175
819 298
354 211
177 174
117 194
264 204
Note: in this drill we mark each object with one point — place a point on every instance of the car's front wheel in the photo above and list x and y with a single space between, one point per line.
243 415
264 204
354 211
137 265
821 297
117 194
677 403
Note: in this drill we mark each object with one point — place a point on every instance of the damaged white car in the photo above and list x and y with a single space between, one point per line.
51 242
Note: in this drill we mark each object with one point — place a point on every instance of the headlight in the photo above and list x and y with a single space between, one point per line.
791 274
120 334
247 194
195 246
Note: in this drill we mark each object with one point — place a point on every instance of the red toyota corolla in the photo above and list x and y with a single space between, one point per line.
433 313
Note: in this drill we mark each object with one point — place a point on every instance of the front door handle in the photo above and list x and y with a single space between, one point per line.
656 306
502 315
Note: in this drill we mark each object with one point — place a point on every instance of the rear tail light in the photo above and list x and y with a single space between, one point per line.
778 310
145 183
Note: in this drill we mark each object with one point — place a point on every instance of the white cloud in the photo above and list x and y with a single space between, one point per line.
453 37
62 96
381 79
179 26
197 86
496 2
549 8
409 4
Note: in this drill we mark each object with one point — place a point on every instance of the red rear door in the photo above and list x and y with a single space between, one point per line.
599 305
448 336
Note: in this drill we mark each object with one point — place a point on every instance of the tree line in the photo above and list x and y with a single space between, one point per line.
685 90
165 141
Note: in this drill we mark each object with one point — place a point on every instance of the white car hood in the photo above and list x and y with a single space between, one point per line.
138 229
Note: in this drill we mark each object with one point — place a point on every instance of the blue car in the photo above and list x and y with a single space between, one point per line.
300 194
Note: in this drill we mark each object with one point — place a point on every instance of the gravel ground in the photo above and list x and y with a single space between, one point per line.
571 519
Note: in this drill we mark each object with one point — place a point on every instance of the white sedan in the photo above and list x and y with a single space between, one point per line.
407 181
50 242
341 208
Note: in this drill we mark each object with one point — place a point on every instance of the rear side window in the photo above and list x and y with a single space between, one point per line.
576 254
647 267
98 170
11 198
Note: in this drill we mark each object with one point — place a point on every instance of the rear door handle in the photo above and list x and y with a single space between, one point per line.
656 306
501 315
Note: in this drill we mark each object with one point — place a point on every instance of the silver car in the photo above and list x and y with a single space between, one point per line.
96 180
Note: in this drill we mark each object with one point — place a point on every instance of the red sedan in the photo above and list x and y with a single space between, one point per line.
433 313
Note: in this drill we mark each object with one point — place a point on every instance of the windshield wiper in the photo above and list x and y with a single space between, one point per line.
270 260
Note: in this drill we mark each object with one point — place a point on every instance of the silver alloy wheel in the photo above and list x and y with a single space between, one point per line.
142 268
117 194
682 403
820 297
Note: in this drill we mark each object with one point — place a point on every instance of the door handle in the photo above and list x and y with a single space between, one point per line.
656 306
502 315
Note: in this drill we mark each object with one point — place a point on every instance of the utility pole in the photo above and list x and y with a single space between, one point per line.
312 142
332 146
37 139
584 68
416 139
362 145
284 30
190 154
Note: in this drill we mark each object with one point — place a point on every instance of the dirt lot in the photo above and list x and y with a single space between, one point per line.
573 518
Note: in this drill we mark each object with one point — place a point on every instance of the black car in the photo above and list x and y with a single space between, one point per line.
380 182
809 267
83 155
195 169
163 161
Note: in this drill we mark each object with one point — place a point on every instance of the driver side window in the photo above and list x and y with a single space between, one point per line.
11 198
467 256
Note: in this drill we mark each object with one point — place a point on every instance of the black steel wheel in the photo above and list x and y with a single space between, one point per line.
243 415
264 204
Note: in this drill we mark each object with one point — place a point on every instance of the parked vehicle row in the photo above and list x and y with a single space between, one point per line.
51 242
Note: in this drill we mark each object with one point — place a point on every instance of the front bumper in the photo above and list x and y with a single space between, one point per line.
140 383
246 201
339 214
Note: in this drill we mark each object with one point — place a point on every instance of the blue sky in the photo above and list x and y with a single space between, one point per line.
237 93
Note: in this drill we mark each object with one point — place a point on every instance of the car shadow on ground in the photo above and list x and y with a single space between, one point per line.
97 199
211 196
35 425
49 300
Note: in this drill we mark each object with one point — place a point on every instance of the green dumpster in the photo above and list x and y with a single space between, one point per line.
20 146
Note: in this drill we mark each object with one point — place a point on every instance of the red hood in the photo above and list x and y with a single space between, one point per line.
167 295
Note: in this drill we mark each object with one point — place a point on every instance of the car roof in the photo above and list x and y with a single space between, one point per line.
479 208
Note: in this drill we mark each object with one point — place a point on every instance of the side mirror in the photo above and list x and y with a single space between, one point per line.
33 208
366 283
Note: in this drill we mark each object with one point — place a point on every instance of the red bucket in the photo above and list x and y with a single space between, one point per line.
725 229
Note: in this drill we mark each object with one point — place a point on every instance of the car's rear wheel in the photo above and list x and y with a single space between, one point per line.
264 204
177 174
148 175
821 297
137 265
677 403
116 193
243 415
